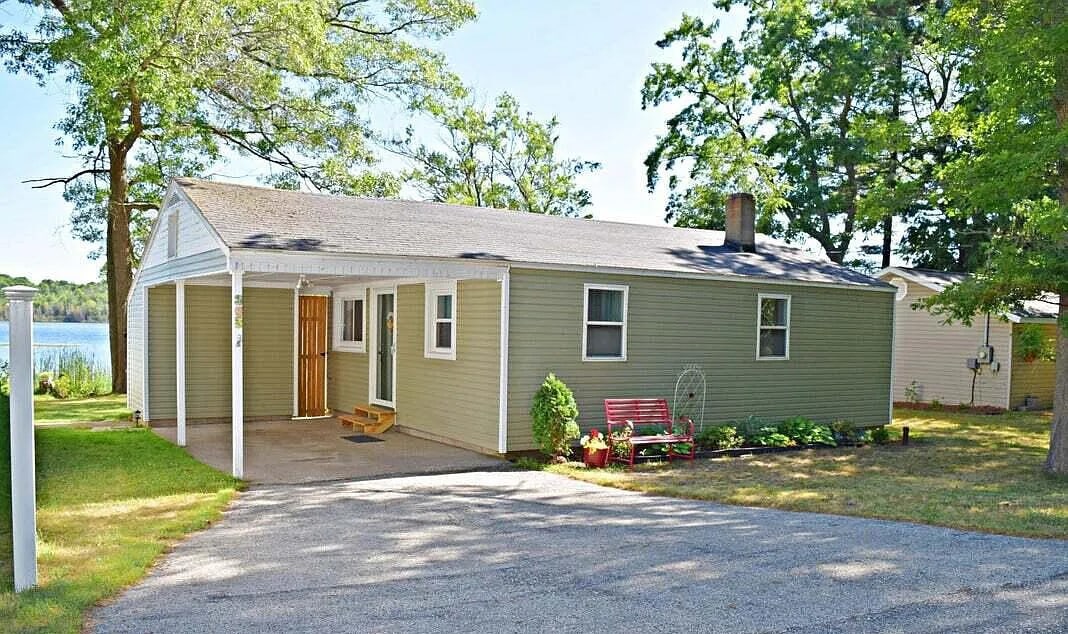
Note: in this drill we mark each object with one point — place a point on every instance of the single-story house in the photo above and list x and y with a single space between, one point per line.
953 363
257 302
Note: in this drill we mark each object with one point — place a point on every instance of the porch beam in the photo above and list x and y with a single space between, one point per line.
179 352
312 264
237 367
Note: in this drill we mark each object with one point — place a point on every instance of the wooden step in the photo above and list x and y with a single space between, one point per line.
368 424
376 413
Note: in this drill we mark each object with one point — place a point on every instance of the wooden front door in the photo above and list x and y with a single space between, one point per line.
311 356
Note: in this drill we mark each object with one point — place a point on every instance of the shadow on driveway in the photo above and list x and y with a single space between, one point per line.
529 551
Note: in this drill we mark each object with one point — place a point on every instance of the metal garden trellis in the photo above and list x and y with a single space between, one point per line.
689 398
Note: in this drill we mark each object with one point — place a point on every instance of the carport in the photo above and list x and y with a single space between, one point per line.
317 450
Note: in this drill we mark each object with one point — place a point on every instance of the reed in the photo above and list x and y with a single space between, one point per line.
71 373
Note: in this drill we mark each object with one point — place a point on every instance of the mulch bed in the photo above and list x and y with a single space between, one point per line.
988 410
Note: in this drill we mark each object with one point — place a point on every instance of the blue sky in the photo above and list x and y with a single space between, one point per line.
583 61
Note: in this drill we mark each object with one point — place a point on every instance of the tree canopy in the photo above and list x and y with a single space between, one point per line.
500 157
825 110
169 87
1019 73
58 300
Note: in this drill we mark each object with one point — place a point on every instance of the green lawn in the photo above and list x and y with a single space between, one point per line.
109 503
967 471
111 407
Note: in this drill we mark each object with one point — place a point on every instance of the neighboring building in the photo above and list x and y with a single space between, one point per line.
931 358
454 315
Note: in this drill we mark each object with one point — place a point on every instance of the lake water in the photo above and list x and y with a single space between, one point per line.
91 338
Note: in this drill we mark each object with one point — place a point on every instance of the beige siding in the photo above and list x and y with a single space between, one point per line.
455 399
268 352
933 355
1035 378
840 348
347 372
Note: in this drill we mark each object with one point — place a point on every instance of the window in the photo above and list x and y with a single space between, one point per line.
773 327
172 235
441 320
604 323
349 320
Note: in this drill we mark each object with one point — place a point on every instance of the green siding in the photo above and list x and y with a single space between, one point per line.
840 348
346 372
207 351
268 352
162 326
456 399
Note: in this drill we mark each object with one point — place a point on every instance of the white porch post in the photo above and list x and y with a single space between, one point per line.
179 310
237 380
23 489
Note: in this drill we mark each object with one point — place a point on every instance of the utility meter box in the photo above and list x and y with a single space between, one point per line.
985 354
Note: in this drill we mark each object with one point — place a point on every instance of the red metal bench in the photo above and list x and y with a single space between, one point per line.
629 414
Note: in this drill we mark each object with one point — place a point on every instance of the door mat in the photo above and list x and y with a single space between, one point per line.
360 438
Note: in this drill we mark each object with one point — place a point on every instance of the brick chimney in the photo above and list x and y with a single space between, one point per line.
741 222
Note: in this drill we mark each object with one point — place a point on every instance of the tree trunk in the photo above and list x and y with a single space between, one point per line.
119 269
1057 460
888 238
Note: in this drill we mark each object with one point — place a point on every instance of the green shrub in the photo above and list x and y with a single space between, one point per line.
845 432
719 437
61 387
769 437
880 435
554 415
804 431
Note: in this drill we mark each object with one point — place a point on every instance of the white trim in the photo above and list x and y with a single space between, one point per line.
502 399
237 378
349 294
1007 368
372 372
361 265
296 352
179 357
893 357
760 326
586 288
431 292
144 353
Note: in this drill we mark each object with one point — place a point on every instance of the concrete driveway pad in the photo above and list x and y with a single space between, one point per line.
535 552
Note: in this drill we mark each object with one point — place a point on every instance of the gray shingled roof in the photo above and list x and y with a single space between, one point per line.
262 218
938 280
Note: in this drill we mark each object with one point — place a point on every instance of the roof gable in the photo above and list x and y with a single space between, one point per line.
1033 310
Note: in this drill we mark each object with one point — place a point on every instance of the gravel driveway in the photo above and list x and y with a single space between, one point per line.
534 552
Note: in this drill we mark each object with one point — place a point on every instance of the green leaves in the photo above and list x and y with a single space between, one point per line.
822 109
501 158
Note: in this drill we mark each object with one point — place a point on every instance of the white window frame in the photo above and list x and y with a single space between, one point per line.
340 297
586 288
430 320
172 235
760 327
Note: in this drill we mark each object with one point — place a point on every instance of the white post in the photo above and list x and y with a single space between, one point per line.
179 356
237 382
23 488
